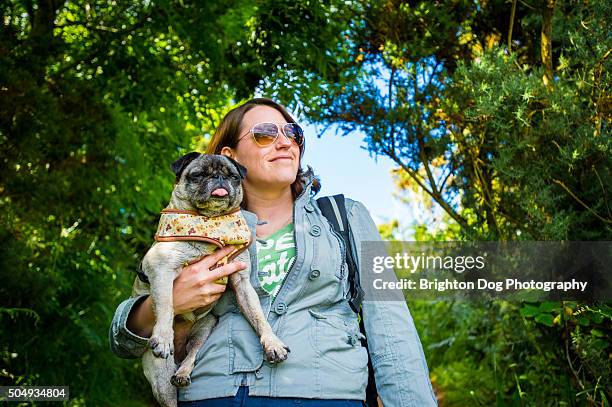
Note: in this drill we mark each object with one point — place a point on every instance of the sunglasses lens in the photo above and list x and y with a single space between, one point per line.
294 132
265 133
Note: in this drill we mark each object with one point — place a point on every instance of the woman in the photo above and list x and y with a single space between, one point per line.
302 284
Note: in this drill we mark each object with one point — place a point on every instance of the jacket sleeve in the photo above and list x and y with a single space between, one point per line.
123 342
400 368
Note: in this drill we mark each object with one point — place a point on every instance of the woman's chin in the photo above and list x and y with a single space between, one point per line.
284 182
277 182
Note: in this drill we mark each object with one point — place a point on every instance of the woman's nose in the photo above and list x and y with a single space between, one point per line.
282 139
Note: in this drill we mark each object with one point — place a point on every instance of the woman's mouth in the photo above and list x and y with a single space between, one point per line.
283 157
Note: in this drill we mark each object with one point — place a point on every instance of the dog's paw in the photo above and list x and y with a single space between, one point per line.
276 351
160 347
180 380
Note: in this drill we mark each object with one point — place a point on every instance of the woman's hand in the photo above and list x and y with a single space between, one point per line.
195 287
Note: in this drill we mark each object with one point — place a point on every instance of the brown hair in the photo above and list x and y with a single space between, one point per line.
228 131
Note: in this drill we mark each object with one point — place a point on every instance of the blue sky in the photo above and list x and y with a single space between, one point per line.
344 167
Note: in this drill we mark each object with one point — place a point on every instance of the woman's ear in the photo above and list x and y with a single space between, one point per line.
226 151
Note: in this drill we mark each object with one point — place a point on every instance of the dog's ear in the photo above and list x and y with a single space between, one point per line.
179 165
241 168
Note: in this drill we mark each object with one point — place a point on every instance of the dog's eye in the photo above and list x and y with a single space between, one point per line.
196 174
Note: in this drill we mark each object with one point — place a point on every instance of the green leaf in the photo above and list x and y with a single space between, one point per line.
582 320
545 319
529 311
597 318
549 306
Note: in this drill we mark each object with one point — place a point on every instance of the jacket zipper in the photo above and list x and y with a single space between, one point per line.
342 250
342 258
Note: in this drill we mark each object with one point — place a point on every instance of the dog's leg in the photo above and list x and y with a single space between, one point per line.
181 334
162 337
158 372
248 301
197 336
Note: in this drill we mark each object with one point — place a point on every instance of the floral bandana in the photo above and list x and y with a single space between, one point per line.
227 229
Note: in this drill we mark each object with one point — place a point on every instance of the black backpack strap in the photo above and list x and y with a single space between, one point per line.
334 209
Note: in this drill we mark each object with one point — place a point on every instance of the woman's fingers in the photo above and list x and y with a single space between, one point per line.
211 260
215 257
227 269
215 297
195 286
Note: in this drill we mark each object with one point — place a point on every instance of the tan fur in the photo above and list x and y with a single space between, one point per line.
162 264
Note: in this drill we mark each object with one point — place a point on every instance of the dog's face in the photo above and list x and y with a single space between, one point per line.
209 184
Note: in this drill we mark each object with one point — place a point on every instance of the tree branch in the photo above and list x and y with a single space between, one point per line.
556 181
546 42
486 194
461 221
450 172
512 14
391 108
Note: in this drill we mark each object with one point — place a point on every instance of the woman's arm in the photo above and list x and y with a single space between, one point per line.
123 342
141 318
400 368
195 287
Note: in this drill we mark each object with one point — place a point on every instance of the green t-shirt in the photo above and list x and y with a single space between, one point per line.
275 255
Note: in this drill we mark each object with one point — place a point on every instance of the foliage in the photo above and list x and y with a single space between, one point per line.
486 354
502 118
497 114
96 100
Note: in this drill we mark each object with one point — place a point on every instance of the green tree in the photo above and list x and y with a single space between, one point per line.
500 112
97 98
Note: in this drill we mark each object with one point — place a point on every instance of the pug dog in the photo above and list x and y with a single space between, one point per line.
209 185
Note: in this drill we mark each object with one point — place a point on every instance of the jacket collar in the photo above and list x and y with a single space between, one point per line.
307 179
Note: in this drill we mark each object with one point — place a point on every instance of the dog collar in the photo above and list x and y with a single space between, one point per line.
227 229
177 225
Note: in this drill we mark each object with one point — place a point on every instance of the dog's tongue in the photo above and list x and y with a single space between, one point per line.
219 192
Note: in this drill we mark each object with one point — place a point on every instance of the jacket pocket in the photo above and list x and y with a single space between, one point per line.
214 351
245 351
336 340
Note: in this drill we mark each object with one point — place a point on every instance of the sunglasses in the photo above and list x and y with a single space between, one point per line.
266 133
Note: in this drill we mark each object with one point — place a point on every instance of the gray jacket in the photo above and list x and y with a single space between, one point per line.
311 315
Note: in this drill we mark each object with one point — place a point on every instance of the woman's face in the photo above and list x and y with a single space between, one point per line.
270 167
